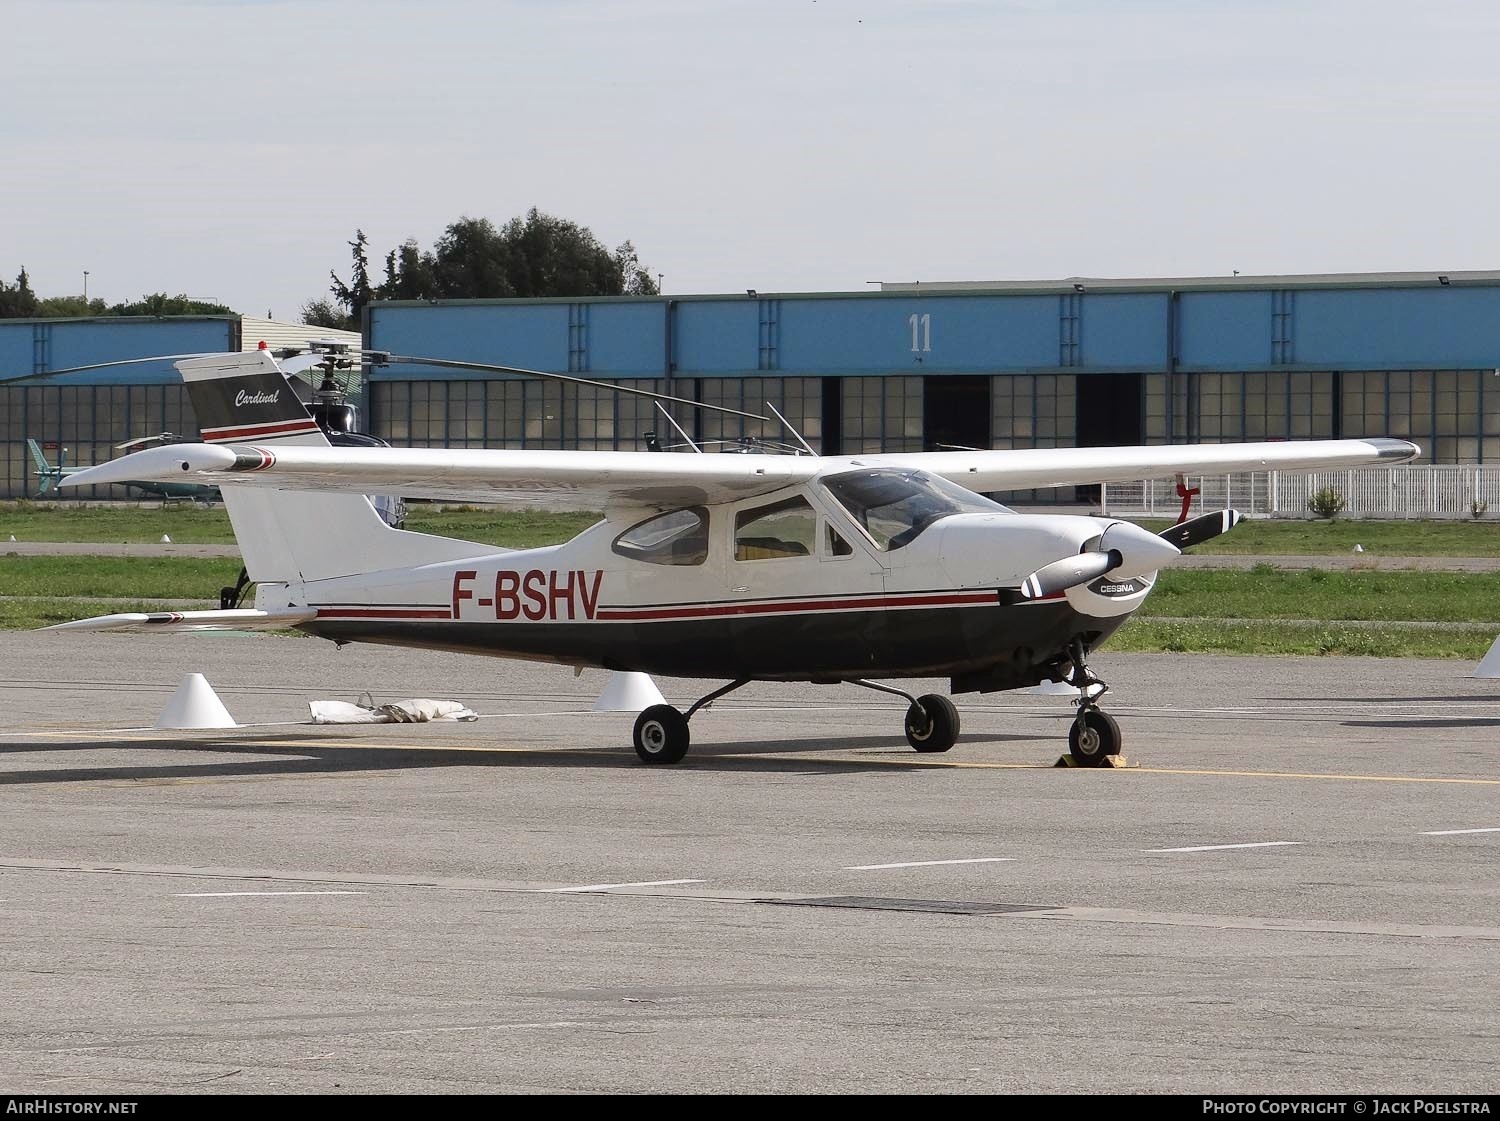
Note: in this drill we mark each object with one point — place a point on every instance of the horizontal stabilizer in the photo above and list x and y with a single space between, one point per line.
247 619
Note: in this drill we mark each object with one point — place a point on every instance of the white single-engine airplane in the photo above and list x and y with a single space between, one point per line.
744 567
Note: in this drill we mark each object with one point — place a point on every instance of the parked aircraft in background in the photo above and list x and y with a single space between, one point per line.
49 475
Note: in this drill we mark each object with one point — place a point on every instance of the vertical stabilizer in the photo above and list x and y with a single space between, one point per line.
295 536
47 476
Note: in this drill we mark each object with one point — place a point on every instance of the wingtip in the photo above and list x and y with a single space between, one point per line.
1389 449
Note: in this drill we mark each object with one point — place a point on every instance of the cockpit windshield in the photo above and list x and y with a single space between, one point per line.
893 505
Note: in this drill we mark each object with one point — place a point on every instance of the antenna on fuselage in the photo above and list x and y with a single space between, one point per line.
788 426
677 426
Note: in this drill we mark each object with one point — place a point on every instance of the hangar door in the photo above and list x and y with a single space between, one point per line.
955 412
1108 412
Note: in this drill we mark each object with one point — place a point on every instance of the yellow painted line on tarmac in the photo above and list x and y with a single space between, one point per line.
894 759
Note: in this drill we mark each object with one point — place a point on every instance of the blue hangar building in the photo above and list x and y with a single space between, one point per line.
1007 365
914 366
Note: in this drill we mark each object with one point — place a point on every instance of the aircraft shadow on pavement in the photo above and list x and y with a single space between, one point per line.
317 755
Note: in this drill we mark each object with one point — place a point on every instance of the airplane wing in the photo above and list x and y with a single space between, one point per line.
553 480
1024 469
564 480
244 619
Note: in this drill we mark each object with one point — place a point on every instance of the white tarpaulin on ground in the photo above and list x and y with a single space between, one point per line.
415 711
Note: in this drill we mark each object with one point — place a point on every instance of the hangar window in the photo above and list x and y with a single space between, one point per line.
895 506
783 529
676 537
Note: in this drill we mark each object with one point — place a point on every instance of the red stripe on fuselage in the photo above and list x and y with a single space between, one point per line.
250 431
384 613
868 603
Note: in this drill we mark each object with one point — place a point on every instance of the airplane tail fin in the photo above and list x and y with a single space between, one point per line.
46 474
295 536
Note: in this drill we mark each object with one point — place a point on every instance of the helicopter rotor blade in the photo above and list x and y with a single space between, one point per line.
299 363
102 366
385 358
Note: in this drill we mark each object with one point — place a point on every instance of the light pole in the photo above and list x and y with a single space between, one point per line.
85 286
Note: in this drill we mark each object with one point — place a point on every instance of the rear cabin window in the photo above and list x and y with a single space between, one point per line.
677 537
785 529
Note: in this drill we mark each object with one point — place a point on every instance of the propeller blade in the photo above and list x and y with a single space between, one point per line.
1067 573
1203 528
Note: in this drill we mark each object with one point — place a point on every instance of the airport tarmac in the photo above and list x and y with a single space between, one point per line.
1292 888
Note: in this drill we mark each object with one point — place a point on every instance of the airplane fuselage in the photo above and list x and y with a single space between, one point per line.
800 593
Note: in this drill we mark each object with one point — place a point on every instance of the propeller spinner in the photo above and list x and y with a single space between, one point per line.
1121 545
1126 544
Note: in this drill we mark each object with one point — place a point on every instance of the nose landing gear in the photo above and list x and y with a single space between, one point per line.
1094 735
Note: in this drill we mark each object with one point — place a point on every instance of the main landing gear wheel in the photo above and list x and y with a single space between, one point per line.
1094 736
932 724
661 735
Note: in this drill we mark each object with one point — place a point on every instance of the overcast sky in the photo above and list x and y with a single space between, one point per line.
229 148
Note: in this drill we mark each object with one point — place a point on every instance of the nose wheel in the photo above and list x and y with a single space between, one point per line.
1094 735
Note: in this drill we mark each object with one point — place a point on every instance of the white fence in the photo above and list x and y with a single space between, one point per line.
1431 491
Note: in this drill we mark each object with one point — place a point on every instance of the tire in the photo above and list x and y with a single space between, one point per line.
661 735
932 724
1093 736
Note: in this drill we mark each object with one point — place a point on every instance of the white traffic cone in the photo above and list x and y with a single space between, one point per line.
628 692
1053 689
195 705
165 540
1489 665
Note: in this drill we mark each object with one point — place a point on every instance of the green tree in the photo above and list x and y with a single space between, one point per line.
635 278
70 307
549 256
325 313
410 274
18 301
160 303
471 261
533 255
358 292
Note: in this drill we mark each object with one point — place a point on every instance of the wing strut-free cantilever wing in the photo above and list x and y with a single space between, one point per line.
554 480
1024 469
569 480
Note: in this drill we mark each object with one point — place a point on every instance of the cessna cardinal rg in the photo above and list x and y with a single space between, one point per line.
740 567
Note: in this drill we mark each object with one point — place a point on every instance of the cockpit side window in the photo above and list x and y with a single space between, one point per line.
782 529
894 506
676 537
